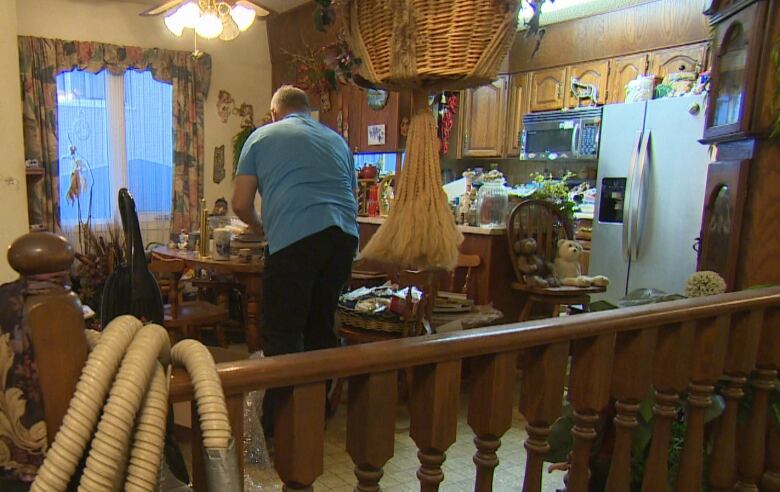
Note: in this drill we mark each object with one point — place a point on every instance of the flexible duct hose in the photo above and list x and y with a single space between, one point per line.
140 390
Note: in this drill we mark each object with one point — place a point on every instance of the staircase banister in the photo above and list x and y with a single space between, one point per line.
294 369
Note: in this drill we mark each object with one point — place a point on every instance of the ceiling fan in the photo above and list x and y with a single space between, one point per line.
210 18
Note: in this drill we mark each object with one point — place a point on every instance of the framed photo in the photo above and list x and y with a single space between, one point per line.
376 134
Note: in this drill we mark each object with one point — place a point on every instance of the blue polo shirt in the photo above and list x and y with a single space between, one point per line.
306 178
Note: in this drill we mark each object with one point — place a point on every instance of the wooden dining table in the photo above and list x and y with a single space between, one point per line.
249 275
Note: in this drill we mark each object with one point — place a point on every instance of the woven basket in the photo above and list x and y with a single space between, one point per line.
430 44
354 320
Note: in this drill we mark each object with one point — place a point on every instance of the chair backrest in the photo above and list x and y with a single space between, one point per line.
172 268
469 262
541 220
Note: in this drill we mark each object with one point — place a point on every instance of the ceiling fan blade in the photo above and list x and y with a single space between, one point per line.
163 8
262 10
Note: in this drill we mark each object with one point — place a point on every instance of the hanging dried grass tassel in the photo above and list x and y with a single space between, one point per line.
420 230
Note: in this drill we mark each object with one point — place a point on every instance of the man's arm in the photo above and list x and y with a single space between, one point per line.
243 201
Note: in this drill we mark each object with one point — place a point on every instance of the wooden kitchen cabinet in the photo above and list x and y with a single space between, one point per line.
592 73
519 104
691 58
623 70
484 110
547 89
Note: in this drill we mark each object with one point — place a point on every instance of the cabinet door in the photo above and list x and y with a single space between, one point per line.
691 58
484 110
624 70
547 89
519 101
593 73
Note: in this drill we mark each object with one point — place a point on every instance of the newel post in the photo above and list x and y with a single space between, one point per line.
54 317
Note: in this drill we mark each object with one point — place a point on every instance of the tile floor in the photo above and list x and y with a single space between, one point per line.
459 470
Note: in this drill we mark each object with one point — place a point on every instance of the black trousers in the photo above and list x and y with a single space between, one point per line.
301 288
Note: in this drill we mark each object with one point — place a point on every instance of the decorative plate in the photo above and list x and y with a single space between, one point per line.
377 99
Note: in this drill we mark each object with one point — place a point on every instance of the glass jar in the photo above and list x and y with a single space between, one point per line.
492 202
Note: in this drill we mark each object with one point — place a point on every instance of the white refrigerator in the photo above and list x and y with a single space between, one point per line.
651 183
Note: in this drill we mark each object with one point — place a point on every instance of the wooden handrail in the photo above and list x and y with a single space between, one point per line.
294 369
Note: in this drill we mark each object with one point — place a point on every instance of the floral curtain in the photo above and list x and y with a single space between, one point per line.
41 60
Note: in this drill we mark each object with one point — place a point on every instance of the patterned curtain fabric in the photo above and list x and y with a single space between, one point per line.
41 60
22 425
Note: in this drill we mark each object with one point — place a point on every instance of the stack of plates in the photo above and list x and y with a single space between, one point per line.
451 302
254 242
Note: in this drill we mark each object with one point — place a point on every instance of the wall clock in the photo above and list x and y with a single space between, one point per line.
377 99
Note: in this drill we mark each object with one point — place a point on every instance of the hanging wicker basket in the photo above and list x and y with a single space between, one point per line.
430 44
426 45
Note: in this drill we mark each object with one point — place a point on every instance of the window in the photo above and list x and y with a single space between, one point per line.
118 129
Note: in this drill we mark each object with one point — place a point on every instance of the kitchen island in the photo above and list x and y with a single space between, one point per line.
490 282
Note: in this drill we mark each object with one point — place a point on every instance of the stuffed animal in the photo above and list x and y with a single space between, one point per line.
536 272
567 266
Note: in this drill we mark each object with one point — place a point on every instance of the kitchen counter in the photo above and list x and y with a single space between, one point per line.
482 231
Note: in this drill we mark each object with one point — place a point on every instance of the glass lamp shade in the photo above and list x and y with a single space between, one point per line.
174 23
209 26
189 14
243 16
230 30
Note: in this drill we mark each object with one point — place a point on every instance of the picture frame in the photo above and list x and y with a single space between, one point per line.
377 134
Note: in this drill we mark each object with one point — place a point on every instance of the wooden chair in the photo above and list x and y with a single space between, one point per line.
187 317
543 221
469 263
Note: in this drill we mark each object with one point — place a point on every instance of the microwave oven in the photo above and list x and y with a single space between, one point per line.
553 135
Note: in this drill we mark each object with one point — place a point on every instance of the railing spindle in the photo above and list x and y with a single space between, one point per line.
740 360
434 418
589 385
490 410
771 479
670 375
544 374
631 377
371 426
300 428
752 456
709 357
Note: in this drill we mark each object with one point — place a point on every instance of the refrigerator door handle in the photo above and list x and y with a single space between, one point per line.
628 195
635 208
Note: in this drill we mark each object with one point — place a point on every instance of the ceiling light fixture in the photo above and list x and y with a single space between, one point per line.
225 19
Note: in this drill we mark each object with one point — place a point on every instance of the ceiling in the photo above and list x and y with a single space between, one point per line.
275 5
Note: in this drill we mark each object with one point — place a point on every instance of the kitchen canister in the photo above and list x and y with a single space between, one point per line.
221 244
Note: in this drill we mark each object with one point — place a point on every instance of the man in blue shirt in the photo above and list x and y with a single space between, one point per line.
305 175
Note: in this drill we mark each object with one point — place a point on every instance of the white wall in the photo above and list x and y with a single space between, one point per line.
242 66
13 192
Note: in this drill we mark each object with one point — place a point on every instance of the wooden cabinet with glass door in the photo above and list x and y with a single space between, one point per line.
547 89
593 74
623 70
736 59
519 102
484 110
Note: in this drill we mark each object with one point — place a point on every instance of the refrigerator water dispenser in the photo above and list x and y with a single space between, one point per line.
613 193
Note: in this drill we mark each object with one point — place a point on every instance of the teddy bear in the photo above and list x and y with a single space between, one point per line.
567 266
536 272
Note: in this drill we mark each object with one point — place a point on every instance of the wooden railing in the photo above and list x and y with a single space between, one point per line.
674 349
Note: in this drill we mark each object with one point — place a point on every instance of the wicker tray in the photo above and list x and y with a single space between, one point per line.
365 322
